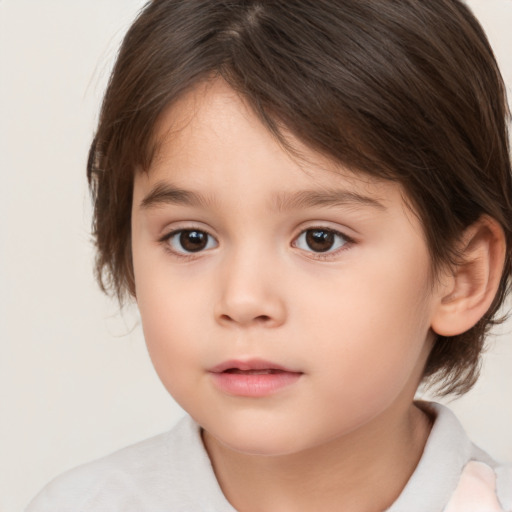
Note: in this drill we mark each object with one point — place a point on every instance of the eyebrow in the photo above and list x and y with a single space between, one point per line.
166 194
163 193
311 198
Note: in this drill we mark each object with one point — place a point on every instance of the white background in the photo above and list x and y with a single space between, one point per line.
75 379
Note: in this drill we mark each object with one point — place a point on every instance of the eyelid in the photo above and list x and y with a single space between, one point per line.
171 228
164 239
349 241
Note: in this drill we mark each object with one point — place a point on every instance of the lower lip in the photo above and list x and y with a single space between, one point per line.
254 385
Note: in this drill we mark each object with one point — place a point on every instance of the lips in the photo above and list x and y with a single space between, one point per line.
254 378
253 372
251 365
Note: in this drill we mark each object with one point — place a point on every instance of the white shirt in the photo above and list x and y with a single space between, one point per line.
172 473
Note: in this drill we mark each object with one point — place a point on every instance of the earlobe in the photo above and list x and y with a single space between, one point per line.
468 291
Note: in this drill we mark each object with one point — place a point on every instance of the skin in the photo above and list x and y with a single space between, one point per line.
355 321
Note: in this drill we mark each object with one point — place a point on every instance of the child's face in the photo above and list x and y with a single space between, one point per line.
260 280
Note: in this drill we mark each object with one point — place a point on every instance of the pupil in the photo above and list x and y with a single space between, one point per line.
193 241
319 240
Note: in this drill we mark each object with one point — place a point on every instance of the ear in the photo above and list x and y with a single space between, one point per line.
467 291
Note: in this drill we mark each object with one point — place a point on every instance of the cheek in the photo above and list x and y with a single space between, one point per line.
173 348
168 319
374 327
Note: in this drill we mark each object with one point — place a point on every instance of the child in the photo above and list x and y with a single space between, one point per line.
311 203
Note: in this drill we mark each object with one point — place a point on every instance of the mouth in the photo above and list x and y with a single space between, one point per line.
251 366
268 371
254 378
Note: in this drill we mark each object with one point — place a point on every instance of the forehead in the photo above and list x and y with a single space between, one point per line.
211 143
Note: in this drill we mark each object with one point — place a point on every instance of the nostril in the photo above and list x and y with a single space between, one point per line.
262 318
259 319
249 311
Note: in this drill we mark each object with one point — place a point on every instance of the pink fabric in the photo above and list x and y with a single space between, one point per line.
476 491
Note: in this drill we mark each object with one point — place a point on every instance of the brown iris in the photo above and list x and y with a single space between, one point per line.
320 240
193 241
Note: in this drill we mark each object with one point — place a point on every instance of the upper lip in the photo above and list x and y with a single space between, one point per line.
250 364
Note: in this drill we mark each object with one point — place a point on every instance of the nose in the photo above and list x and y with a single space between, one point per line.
250 294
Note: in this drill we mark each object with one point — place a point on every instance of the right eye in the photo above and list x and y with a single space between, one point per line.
187 241
321 240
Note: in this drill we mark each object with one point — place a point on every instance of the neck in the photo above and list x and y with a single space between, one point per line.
364 471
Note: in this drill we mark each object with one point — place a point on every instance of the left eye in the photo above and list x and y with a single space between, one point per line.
186 241
320 240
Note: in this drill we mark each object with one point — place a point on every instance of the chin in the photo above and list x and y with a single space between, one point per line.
264 442
261 448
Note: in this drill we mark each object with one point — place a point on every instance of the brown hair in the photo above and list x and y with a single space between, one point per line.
406 90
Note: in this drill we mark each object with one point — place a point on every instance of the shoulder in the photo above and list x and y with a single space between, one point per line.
453 474
482 487
482 484
504 486
84 487
152 475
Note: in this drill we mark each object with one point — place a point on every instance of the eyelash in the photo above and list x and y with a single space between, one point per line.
318 255
327 255
165 240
